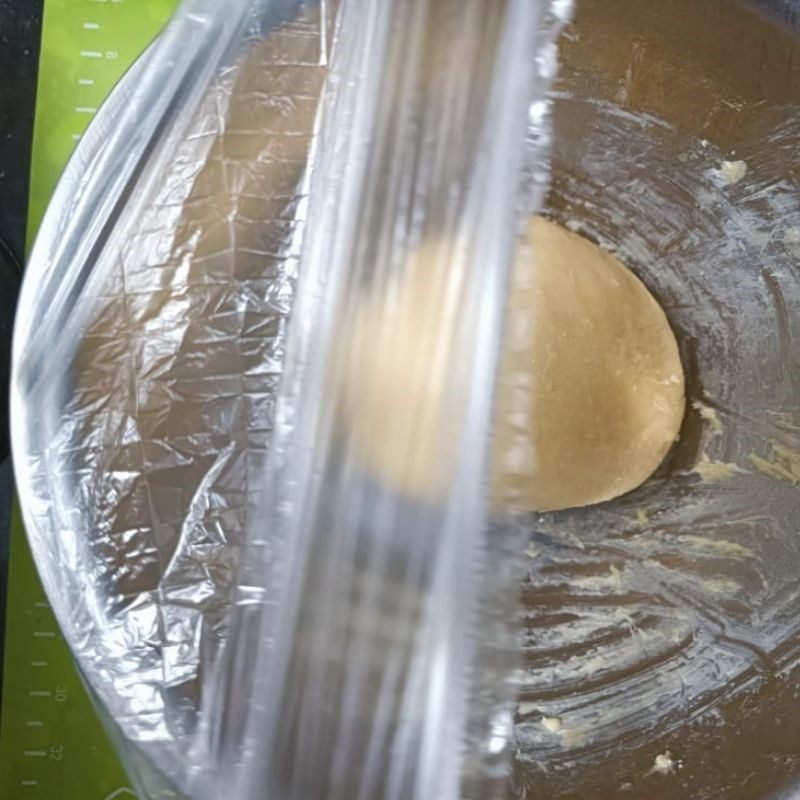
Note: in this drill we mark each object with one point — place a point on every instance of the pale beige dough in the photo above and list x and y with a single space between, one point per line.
591 389
607 395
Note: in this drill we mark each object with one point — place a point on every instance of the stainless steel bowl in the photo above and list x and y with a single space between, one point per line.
662 631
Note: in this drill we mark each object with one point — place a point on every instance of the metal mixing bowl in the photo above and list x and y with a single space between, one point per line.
663 629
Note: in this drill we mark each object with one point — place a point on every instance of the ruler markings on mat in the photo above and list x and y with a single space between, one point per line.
51 743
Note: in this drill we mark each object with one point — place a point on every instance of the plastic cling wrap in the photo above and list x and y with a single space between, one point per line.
148 347
253 383
372 539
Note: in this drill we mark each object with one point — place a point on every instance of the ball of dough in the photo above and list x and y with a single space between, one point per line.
402 411
590 391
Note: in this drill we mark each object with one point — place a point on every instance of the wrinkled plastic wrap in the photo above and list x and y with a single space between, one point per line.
262 602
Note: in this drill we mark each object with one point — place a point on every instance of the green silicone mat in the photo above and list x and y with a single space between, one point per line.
52 745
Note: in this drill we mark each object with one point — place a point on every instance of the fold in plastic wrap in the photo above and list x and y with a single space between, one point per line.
358 624
165 509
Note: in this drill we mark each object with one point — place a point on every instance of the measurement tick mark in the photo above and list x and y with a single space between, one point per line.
91 54
29 783
40 694
44 634
41 604
91 26
34 723
38 663
35 753
85 109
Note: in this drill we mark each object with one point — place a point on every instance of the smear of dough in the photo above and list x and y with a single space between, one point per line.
551 724
573 738
591 388
717 547
663 764
783 465
732 171
709 415
722 586
570 737
716 471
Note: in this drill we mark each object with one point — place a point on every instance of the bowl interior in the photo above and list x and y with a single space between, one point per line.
662 629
